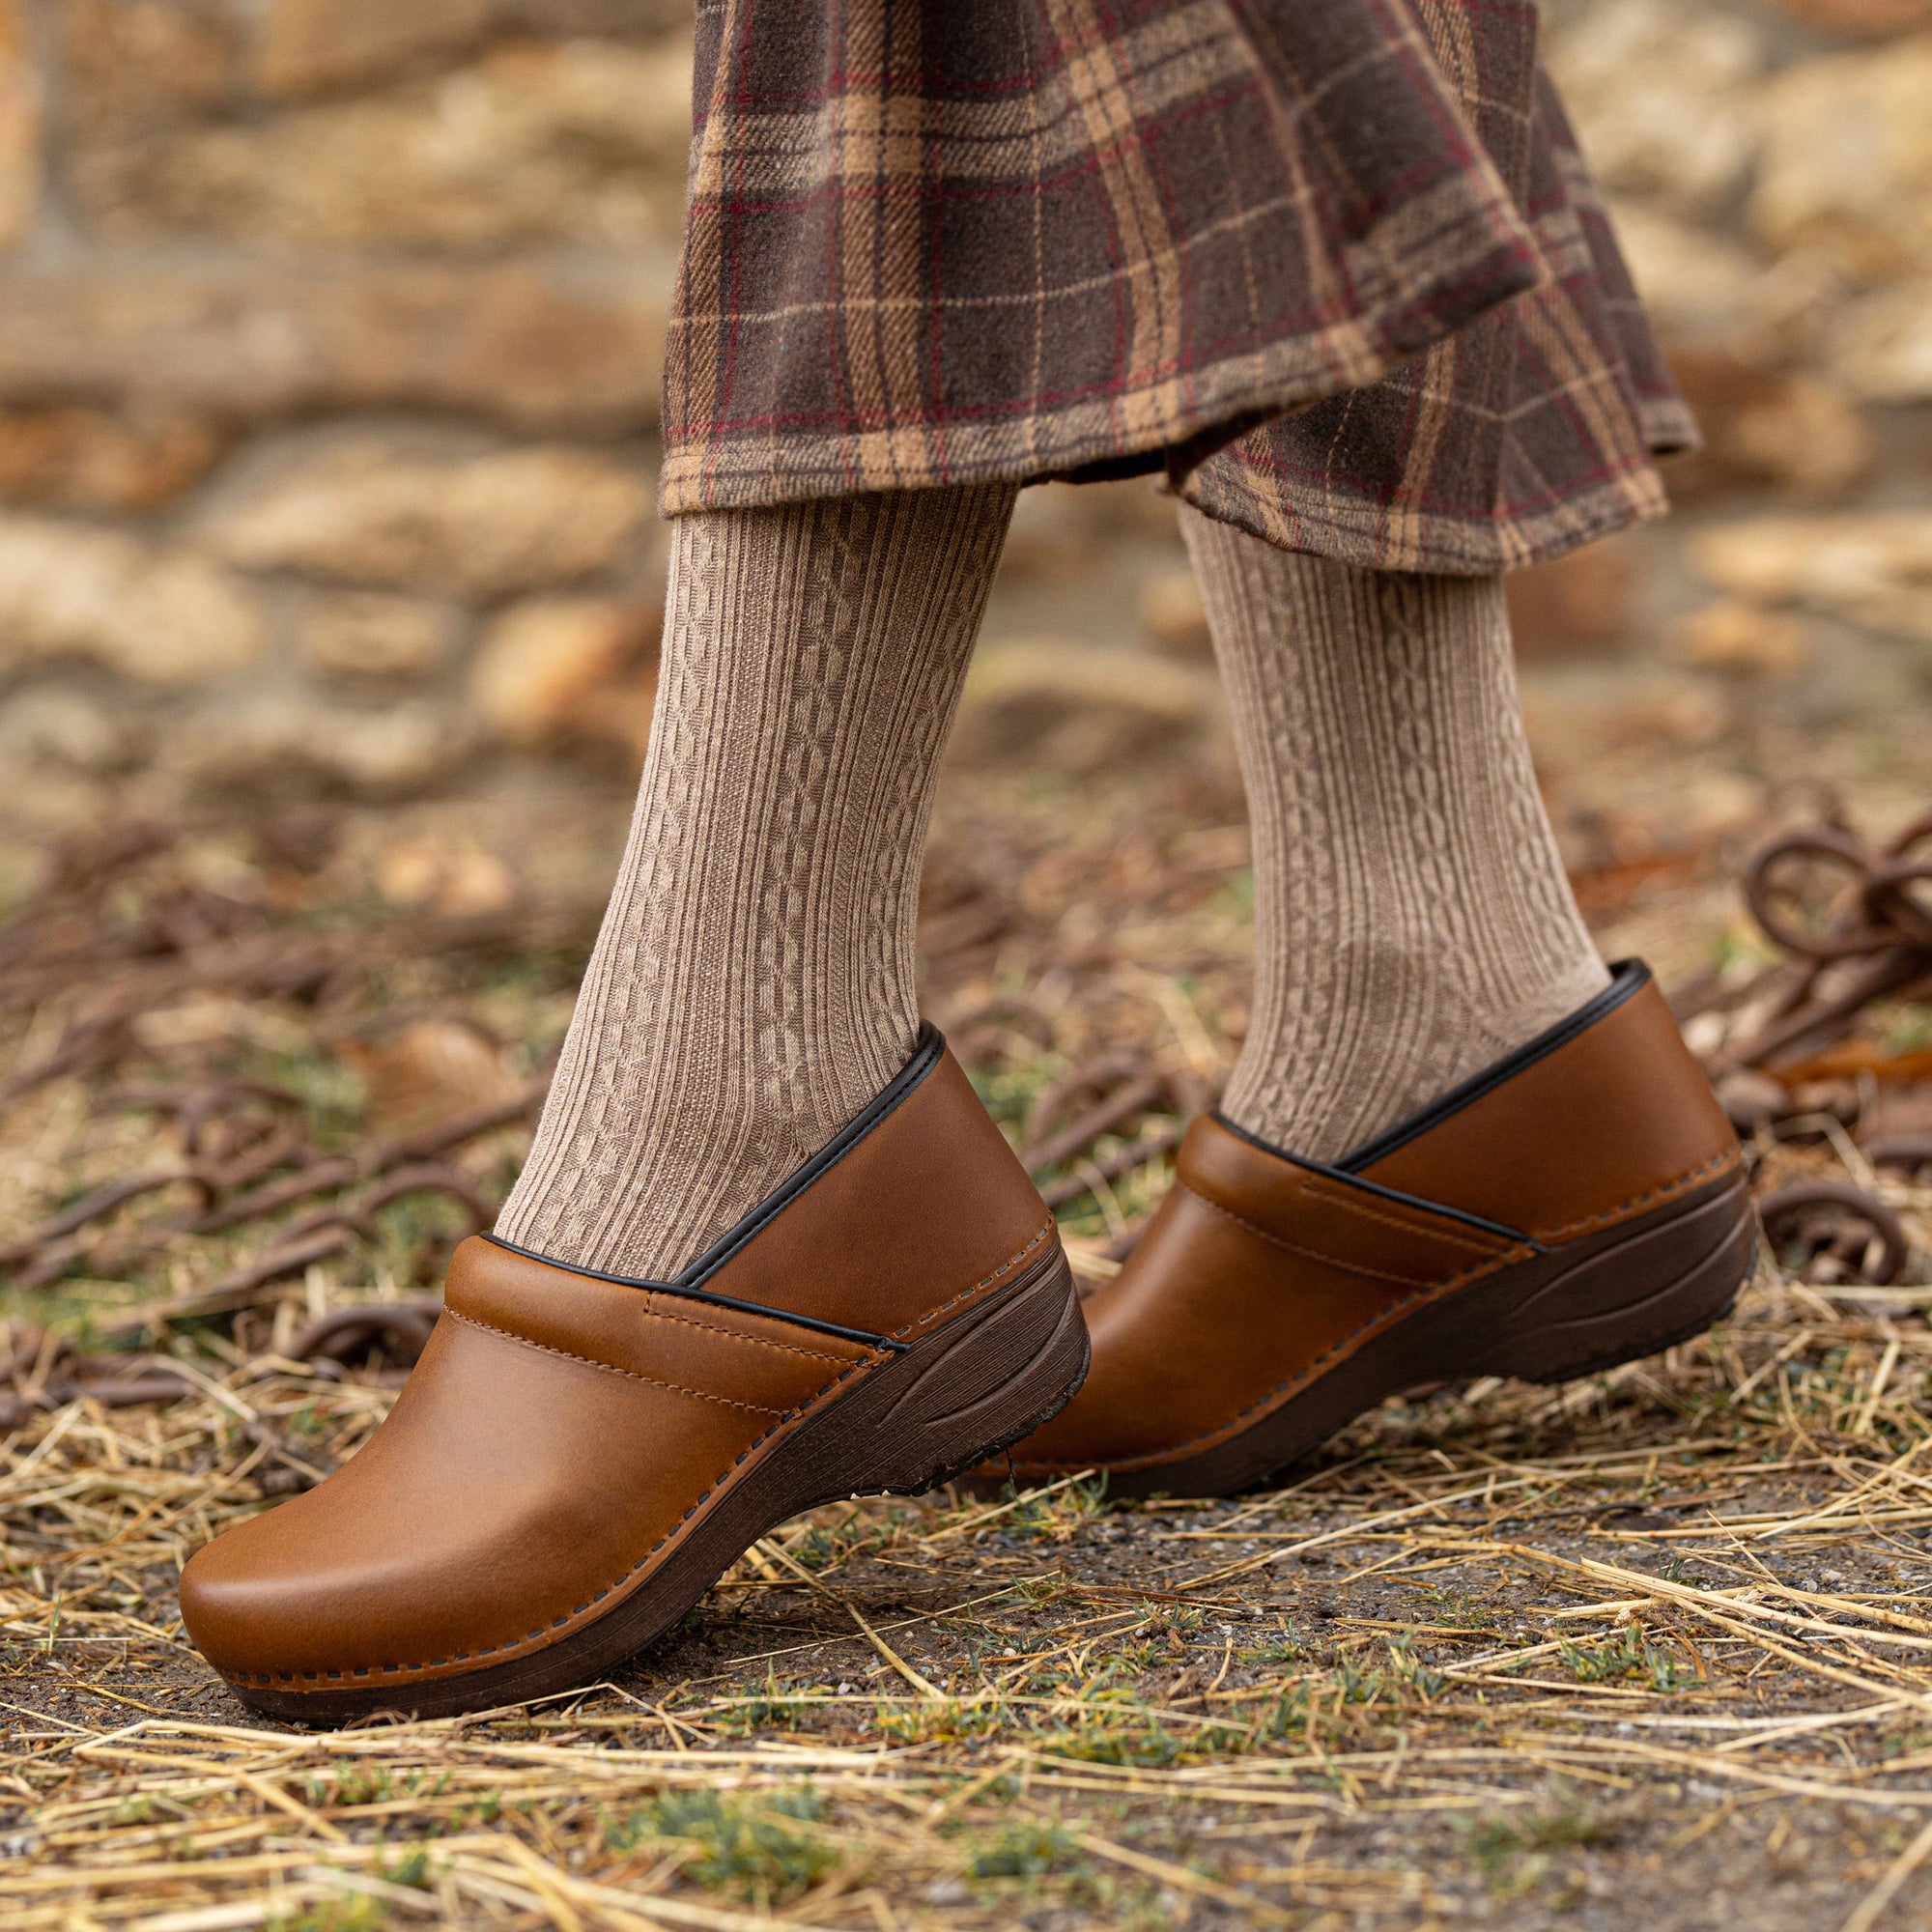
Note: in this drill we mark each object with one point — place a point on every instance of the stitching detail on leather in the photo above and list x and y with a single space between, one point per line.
1731 1157
735 1240
1431 1292
657 1314
611 1368
1349 1203
1407 1281
393 1671
518 1643
1007 1266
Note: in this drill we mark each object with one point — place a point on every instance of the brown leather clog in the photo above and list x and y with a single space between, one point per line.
1577 1205
577 1457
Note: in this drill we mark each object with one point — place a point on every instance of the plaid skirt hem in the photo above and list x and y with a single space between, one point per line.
1335 266
1169 424
1349 531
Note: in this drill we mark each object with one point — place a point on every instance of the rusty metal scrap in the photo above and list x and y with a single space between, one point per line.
1832 1230
118 931
1870 940
1852 924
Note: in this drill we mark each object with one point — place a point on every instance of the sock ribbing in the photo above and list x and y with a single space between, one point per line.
753 986
1413 922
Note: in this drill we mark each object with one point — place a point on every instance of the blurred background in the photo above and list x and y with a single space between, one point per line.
329 341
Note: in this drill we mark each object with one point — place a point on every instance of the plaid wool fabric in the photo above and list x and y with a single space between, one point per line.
1334 265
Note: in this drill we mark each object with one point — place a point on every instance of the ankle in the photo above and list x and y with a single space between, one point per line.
752 988
1321 1083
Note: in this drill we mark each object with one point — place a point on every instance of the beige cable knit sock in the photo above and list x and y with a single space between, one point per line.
751 990
1413 920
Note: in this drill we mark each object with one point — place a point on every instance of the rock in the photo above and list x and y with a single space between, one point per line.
308 45
1861 19
1769 429
450 874
1709 295
60 756
574 19
45 729
586 141
158 615
366 637
1847 161
1694 282
561 670
70 457
1883 344
509 342
1871 567
1744 638
1578 716
1079 707
1048 540
287 748
469 528
1578 603
19 127
1173 615
1660 94
134 65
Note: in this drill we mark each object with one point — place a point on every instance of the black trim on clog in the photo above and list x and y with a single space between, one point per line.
688 1282
860 1335
1628 978
1390 1194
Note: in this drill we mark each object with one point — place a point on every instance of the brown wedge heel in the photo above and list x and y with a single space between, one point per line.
1577 1205
576 1458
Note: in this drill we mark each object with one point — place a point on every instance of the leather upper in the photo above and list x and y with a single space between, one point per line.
562 1431
1259 1272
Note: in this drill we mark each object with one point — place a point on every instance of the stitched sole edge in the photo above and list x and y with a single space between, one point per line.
961 1395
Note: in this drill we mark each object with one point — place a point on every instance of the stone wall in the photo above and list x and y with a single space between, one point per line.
1771 171
330 348
330 340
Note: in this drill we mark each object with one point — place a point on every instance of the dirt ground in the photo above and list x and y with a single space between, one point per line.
1647 1651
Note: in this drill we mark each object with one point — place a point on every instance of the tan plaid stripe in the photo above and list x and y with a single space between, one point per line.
945 240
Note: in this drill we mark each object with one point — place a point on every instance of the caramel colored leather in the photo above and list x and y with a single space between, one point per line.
1257 1274
561 1433
512 1489
670 1337
934 1193
1581 1139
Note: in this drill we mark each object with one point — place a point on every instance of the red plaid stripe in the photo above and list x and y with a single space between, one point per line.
1269 245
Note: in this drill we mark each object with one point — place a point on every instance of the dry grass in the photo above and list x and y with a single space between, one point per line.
1652 1649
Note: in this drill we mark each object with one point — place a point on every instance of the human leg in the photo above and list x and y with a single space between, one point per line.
753 985
1413 921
